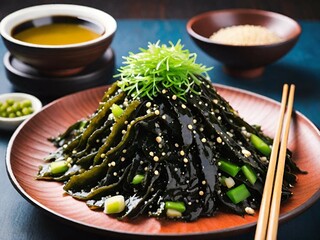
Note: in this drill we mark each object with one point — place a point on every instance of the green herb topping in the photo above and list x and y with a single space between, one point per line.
160 67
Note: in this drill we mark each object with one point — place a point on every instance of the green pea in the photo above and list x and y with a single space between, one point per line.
18 113
25 103
9 110
10 101
12 115
3 114
27 111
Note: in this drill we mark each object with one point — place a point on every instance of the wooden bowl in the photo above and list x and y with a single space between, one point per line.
58 59
244 61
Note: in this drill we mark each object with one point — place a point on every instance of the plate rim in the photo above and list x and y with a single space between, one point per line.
284 217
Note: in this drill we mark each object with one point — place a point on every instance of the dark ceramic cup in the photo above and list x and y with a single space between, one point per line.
58 59
244 61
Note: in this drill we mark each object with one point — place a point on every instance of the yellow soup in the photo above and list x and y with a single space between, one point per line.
57 34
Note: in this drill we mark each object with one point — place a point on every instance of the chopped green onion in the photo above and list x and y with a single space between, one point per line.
260 145
229 182
222 180
238 194
58 167
115 204
116 110
228 167
178 206
249 173
160 67
137 179
171 213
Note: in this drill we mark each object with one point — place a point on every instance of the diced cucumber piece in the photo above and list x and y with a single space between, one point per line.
172 213
116 110
114 204
228 167
137 179
260 145
238 194
249 173
229 182
178 206
58 167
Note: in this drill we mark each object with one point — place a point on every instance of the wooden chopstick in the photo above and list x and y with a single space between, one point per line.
267 225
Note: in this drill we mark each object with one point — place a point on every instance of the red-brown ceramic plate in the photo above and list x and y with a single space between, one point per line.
29 145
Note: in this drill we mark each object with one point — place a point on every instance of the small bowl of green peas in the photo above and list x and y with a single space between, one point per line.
15 108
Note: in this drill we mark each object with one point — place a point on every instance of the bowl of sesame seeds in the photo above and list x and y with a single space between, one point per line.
244 40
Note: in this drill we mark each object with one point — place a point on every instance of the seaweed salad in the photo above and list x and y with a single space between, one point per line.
163 143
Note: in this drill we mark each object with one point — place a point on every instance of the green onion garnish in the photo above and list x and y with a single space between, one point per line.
160 67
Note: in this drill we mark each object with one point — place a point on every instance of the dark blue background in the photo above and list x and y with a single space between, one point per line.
20 220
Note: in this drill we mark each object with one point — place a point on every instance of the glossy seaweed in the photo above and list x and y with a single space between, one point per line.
175 144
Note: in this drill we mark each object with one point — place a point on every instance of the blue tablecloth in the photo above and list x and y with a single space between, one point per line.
20 220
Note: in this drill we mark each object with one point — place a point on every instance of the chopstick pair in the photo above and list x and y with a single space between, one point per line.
267 225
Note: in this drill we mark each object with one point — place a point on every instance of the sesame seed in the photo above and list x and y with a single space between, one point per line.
219 140
246 153
156 158
185 160
102 155
74 151
203 140
201 193
163 154
189 203
183 106
194 121
146 169
148 104
164 91
204 182
164 117
176 145
182 153
122 159
201 129
124 150
190 126
219 118
264 159
158 139
126 122
115 174
174 97
157 112
215 101
113 163
151 154
156 172
249 210
160 145
123 131
148 111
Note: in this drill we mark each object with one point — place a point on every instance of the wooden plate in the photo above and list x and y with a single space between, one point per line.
29 145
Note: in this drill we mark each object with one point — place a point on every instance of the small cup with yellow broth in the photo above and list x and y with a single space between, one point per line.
58 39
